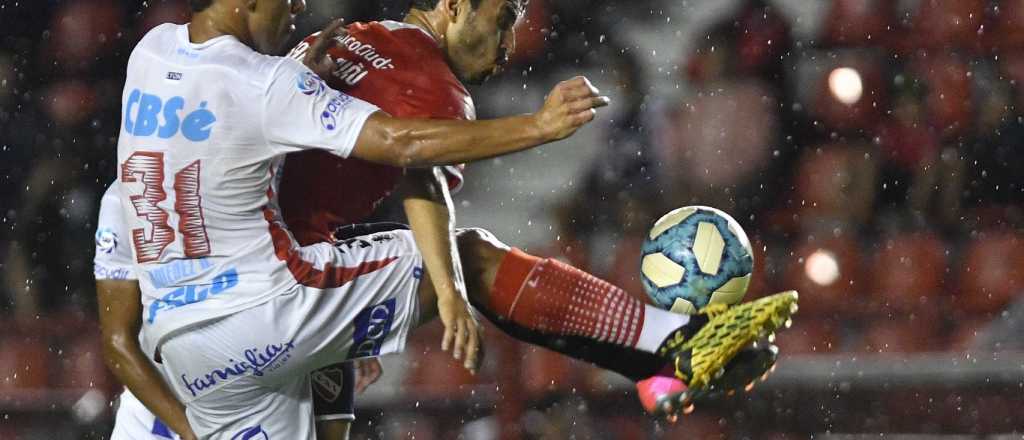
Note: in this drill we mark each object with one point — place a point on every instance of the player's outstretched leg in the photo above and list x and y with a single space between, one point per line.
557 300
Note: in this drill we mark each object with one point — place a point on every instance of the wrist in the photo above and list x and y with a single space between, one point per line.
537 131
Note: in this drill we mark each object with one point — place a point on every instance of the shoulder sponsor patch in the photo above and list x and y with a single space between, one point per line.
310 84
106 240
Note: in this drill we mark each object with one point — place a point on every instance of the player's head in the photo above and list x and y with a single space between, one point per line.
478 34
264 25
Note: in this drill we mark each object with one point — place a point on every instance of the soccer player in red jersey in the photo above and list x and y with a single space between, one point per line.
416 69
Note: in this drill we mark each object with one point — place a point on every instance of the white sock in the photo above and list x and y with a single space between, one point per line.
658 324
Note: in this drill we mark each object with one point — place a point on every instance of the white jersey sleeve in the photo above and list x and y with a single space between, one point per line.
113 260
301 112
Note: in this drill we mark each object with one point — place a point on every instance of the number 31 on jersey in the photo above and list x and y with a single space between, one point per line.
147 167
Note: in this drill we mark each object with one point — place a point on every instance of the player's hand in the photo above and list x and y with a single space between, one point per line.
569 106
462 331
368 370
316 58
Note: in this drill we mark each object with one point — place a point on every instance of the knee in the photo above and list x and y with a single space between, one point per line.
481 253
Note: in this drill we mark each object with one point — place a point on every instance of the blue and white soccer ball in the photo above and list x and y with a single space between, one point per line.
695 256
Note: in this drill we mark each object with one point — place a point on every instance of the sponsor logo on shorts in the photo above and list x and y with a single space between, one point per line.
252 433
310 84
257 362
373 325
192 294
329 117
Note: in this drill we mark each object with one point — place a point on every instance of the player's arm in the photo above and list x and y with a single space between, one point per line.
120 306
428 142
428 206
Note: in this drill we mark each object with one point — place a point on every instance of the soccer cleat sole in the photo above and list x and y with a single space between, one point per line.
749 366
711 348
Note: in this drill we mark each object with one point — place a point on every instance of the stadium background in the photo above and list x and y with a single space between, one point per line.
888 192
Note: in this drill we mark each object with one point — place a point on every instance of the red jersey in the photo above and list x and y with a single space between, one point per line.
397 67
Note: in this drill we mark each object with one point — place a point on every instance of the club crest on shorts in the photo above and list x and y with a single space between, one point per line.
373 325
327 382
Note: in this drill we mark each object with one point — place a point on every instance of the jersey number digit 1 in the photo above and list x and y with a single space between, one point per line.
187 204
148 167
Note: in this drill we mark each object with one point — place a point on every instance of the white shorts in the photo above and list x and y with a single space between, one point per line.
246 376
134 422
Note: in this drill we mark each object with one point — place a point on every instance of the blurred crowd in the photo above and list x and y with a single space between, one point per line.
868 150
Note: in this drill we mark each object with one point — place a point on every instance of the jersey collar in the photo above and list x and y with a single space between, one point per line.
392 25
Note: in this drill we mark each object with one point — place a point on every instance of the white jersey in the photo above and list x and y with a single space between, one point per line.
204 131
113 260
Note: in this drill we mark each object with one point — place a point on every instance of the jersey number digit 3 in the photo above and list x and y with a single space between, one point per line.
148 167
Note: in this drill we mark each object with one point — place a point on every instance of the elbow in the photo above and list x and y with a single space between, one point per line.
115 346
403 150
410 154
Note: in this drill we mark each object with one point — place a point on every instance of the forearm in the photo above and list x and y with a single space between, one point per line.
429 142
120 313
129 364
429 209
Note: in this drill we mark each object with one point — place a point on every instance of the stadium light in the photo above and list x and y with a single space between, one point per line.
822 267
846 85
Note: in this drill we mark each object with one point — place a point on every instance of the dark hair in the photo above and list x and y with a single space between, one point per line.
426 5
199 5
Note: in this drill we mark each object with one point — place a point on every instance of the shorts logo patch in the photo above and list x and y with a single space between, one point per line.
373 325
252 433
327 382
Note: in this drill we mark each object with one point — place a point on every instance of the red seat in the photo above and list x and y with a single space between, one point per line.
25 362
827 273
902 334
82 364
992 273
543 371
83 31
945 24
859 22
964 336
948 99
835 183
809 335
908 273
430 371
763 276
625 269
1005 30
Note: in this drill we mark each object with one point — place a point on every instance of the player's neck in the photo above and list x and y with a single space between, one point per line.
207 25
429 22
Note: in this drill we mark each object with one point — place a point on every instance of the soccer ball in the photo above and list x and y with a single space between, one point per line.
695 256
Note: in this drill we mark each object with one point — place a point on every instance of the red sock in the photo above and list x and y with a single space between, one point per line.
552 297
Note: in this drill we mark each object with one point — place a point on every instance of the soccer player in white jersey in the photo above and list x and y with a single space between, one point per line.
120 308
236 311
